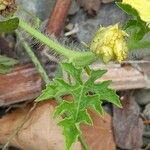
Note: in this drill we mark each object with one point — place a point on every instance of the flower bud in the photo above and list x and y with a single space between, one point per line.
109 44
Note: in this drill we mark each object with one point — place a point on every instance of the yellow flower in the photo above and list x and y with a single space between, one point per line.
142 7
109 44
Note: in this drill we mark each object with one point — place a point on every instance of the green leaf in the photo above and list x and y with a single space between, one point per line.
94 75
93 101
48 93
130 23
111 96
63 108
5 69
136 30
71 132
75 73
84 117
6 64
128 9
9 25
85 95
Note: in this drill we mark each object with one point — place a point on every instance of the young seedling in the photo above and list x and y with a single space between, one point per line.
109 43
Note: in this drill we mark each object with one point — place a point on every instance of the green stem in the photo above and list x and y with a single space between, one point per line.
87 70
69 78
84 145
77 57
36 62
50 43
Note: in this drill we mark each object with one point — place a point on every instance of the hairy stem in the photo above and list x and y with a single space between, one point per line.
36 62
77 57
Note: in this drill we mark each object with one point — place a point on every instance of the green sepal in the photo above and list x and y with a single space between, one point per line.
6 64
9 25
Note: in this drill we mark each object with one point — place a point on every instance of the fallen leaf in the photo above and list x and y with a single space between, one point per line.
128 127
41 132
100 135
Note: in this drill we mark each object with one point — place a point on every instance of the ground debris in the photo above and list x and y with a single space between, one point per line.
91 6
128 127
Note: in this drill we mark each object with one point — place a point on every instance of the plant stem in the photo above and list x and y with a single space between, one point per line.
34 59
87 70
77 57
81 58
50 43
81 139
69 78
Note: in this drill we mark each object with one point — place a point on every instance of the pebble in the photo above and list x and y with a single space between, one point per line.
142 96
107 1
146 111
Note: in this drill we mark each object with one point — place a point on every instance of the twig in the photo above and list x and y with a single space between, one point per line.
136 61
57 18
20 125
146 121
73 31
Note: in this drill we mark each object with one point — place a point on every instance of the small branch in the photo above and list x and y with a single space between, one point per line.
57 19
73 31
146 122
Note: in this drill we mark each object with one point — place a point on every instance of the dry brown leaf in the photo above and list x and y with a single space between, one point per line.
91 6
100 135
41 132
128 127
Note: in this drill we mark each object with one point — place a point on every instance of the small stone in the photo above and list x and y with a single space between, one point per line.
74 8
41 8
69 26
142 96
109 14
146 111
128 127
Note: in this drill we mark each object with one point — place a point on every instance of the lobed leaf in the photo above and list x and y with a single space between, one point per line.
128 9
71 132
85 95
